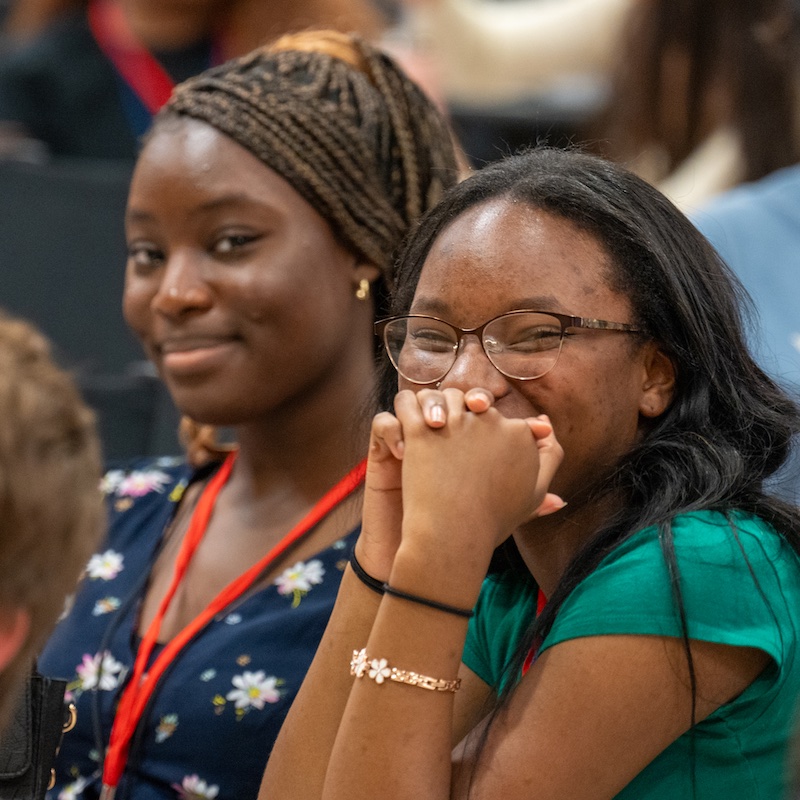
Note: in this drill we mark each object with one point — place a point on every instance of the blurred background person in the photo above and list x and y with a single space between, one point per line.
51 505
756 228
704 94
492 52
84 77
694 95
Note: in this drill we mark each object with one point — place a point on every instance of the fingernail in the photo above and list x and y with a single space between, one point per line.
437 414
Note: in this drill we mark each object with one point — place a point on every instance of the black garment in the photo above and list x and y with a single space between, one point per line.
64 91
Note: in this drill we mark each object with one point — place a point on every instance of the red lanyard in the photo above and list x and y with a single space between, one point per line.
541 602
142 684
137 66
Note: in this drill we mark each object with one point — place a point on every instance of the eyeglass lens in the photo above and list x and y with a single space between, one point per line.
523 346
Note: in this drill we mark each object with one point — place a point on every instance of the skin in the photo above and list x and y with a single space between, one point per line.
244 299
173 24
591 713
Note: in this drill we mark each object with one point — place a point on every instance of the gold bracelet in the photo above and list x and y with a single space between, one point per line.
378 670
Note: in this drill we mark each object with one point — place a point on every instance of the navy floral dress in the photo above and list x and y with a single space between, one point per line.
209 728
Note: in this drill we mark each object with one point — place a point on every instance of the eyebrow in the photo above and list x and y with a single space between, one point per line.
224 201
438 307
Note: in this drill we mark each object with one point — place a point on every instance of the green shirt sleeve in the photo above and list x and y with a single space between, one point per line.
735 575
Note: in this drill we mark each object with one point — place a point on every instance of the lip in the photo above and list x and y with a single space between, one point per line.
194 354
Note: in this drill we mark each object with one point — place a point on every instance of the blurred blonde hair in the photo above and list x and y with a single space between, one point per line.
51 508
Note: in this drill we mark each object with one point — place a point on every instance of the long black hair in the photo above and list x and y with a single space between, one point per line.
729 428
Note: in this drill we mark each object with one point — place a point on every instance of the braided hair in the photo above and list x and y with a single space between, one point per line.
348 130
337 119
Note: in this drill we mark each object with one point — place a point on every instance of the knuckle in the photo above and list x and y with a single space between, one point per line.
383 420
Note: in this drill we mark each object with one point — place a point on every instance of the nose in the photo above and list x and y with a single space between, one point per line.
472 369
183 288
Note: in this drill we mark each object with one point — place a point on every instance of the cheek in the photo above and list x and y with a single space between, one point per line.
136 299
595 418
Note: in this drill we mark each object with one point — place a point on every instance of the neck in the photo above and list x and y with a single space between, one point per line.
309 442
547 545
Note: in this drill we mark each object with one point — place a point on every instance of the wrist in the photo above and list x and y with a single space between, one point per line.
437 576
374 558
368 580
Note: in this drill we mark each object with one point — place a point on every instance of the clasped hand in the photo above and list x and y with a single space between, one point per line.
449 464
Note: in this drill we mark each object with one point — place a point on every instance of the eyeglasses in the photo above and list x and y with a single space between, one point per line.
523 345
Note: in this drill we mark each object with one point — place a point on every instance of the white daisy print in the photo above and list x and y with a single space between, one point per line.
110 482
298 580
102 671
254 689
141 482
105 565
105 606
194 788
166 727
73 790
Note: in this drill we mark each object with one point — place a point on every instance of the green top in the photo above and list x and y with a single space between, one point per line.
739 748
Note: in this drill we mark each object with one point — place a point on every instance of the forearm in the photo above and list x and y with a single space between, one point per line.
395 740
299 759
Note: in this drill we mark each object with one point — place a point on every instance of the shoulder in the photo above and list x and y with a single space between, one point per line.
708 546
144 477
729 576
772 191
703 533
140 492
765 213
141 497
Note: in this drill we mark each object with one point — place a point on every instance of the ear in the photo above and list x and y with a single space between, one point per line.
658 387
14 626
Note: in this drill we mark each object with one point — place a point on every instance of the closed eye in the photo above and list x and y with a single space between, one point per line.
535 340
430 339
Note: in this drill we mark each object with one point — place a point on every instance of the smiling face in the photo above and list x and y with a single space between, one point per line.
238 289
502 256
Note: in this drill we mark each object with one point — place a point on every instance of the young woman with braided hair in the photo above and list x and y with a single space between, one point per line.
263 213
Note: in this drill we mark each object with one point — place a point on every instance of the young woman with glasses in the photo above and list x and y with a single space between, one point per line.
575 389
262 216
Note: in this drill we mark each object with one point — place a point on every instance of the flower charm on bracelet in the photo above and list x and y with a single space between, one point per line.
358 664
379 670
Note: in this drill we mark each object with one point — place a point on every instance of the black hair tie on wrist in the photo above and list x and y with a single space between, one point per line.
364 576
423 601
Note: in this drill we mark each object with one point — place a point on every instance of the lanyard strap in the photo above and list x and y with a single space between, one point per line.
136 65
142 685
541 602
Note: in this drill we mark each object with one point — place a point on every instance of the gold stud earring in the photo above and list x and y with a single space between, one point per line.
362 293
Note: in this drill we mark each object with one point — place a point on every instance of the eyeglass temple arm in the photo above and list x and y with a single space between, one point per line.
601 324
